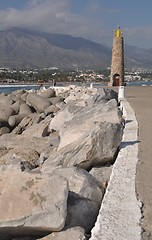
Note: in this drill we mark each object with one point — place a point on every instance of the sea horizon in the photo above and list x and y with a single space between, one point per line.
8 88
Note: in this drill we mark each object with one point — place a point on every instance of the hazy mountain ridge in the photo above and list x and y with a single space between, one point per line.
138 57
26 48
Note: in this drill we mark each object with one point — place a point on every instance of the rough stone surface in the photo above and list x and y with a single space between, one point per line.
81 212
80 182
48 93
42 157
37 203
102 174
76 233
73 121
4 130
94 148
37 102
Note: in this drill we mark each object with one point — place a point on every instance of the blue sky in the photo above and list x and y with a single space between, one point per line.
91 19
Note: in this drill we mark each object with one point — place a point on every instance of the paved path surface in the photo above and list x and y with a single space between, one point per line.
140 99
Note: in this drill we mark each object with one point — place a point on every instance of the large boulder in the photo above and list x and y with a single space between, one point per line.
81 212
5 113
57 99
38 102
6 100
48 93
91 96
80 182
14 120
74 120
62 116
52 109
16 106
39 129
25 109
16 95
97 147
27 137
32 204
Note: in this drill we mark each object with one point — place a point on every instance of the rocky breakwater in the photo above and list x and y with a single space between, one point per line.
57 148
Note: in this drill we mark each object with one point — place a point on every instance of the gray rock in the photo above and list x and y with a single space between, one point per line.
26 122
16 144
14 120
37 102
20 155
74 121
109 94
48 93
16 106
52 109
75 233
102 175
80 182
16 95
25 109
38 129
4 130
97 147
31 156
57 99
37 203
5 113
24 96
5 100
59 120
81 212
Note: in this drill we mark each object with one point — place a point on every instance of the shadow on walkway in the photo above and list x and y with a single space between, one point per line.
128 143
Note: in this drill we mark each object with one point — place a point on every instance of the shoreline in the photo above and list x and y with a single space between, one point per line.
49 84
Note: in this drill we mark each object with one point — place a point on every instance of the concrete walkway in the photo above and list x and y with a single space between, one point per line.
140 99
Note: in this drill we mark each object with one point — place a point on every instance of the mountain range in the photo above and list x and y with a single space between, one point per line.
22 48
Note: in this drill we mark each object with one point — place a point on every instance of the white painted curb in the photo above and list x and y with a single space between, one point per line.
120 213
121 93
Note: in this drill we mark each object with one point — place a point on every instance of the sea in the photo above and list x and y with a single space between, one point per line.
8 88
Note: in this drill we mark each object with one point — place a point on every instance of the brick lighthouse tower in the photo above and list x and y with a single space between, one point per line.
117 64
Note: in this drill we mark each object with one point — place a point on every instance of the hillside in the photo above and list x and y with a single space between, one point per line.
138 57
25 48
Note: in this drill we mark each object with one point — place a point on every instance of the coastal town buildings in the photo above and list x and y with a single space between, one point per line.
8 75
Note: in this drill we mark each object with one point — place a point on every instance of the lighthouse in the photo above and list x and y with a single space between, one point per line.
117 63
